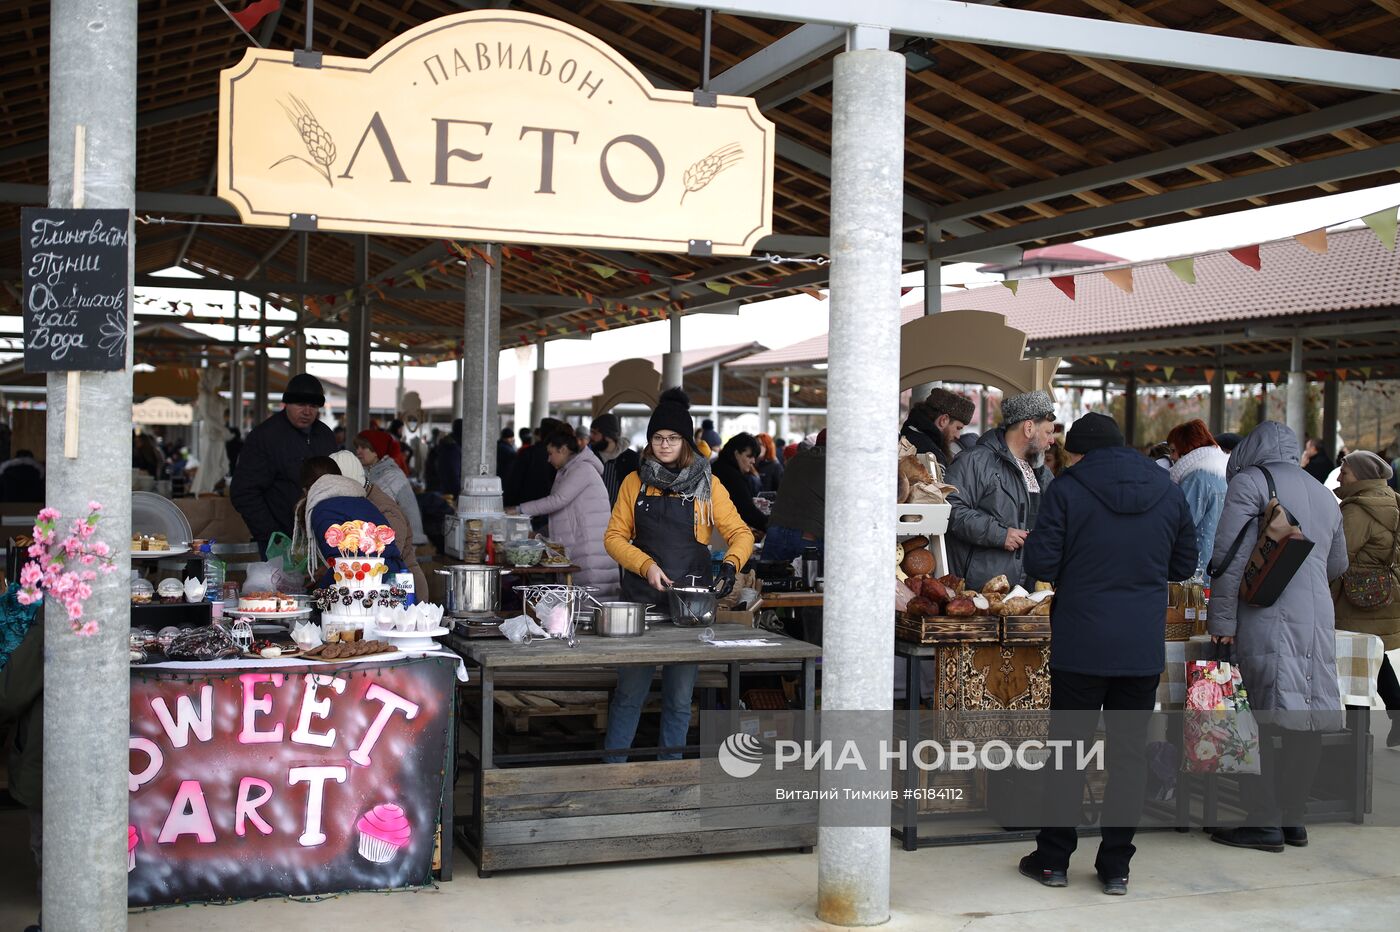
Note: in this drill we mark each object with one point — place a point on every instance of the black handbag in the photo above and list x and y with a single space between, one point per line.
1279 552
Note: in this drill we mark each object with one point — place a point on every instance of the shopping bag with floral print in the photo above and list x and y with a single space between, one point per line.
1219 732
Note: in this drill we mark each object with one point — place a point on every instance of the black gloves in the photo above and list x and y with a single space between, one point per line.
725 583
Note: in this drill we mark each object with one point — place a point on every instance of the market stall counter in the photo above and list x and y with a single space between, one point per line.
554 809
252 778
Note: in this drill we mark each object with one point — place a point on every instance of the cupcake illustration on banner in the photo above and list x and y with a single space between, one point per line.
133 838
383 831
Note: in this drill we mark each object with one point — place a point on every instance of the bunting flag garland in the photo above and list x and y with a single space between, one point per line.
602 271
1123 278
1316 240
718 288
1184 269
1167 371
1247 255
1065 283
1011 285
1112 363
1383 223
417 278
1150 366
254 13
1366 370
905 290
1342 374
1231 375
1274 375
1210 375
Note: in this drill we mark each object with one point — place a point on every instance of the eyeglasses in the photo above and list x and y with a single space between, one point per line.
666 440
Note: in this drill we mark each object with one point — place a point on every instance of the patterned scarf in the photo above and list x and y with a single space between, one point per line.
691 482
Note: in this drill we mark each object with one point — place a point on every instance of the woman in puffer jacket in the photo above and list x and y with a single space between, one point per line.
1198 466
578 511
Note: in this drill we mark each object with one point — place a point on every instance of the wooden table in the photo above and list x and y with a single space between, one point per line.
558 808
777 600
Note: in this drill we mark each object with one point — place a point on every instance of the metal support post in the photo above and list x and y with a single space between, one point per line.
1329 416
357 385
785 424
672 367
260 373
716 385
867 154
297 363
87 681
763 425
933 299
1130 410
1297 410
235 394
480 353
1217 399
457 389
398 389
539 401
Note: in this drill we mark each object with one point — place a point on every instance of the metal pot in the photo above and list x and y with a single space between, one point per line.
692 607
472 588
621 619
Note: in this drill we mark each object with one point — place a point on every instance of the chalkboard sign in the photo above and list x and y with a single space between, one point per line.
76 304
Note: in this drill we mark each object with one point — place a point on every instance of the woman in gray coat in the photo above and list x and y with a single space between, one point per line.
577 507
1287 651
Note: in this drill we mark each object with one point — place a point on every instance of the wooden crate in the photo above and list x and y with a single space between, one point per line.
1025 629
941 630
594 813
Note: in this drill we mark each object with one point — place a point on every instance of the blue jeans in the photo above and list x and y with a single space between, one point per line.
786 544
633 686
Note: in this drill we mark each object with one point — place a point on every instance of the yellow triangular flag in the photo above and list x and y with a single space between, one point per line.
718 287
417 277
1316 240
602 271
1112 364
1123 278
1184 269
1012 285
1383 222
1167 371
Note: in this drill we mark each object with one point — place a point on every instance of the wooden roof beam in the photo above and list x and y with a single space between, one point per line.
1078 35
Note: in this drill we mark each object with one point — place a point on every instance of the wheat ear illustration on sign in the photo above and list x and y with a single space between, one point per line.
704 171
319 144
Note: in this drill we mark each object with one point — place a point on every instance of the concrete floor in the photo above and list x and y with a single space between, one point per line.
1349 878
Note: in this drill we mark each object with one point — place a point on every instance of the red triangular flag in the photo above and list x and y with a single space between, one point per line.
1065 283
1248 255
255 12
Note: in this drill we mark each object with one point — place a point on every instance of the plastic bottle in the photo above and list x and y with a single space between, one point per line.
214 573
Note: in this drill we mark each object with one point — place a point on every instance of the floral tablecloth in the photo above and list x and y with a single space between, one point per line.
1358 664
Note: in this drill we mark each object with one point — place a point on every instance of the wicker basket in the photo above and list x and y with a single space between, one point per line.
1180 630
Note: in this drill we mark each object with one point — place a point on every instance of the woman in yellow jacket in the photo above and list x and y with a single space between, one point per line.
659 533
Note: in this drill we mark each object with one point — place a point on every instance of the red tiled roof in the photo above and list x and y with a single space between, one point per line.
1357 272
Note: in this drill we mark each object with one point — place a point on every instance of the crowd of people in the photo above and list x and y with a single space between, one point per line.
1112 527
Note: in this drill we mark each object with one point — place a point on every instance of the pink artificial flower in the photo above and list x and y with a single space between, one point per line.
1204 694
101 549
30 574
88 629
94 506
48 514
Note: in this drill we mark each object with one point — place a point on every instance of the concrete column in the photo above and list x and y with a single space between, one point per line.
763 404
357 385
785 424
716 386
1217 400
539 401
260 373
1329 416
867 158
87 680
672 369
933 300
1130 412
481 340
1297 397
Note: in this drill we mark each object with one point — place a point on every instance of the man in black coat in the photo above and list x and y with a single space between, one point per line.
935 424
531 477
267 482
1112 530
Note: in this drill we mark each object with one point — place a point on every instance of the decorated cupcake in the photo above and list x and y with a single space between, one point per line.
383 831
132 840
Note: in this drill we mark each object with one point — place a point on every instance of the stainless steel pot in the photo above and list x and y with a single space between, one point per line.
692 607
621 619
472 588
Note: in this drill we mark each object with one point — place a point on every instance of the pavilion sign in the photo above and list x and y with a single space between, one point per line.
496 125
